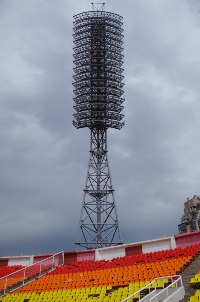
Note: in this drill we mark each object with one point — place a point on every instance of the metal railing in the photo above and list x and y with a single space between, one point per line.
166 286
176 283
25 275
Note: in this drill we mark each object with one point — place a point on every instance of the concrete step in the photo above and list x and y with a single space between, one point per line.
187 273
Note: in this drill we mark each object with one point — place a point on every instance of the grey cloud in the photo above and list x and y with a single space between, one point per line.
154 159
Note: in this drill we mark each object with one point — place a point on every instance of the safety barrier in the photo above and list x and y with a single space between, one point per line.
23 276
168 288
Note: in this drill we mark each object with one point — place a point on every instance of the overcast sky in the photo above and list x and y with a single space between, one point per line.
154 159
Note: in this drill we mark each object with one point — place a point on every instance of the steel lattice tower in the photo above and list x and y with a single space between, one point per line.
98 76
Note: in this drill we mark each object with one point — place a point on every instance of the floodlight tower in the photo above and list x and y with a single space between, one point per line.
98 84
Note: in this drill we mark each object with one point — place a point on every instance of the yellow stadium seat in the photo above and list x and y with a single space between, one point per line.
194 298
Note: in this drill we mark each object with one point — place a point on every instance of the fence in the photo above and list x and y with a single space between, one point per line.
159 289
25 275
171 290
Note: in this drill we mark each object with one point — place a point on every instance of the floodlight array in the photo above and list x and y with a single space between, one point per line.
98 70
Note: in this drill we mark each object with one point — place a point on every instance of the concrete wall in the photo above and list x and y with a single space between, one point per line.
21 260
113 252
158 245
86 255
38 258
110 252
187 239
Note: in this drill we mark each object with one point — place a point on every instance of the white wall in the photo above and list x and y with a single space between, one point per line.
173 242
154 245
109 253
21 260
159 245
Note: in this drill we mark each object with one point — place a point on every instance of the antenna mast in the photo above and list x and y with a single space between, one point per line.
98 6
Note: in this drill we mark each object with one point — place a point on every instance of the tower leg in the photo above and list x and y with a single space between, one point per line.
98 222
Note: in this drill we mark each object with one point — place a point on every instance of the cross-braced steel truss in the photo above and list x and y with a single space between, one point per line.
98 222
98 104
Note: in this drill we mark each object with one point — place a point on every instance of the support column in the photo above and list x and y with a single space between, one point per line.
98 222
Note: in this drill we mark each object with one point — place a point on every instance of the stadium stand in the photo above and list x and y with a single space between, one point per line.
19 278
195 281
187 274
195 297
6 270
105 280
195 284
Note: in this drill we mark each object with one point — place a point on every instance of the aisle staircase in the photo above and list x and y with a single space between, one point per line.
188 272
172 290
118 280
28 274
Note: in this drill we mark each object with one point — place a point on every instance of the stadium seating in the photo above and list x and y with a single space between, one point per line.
195 282
6 270
196 297
102 281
